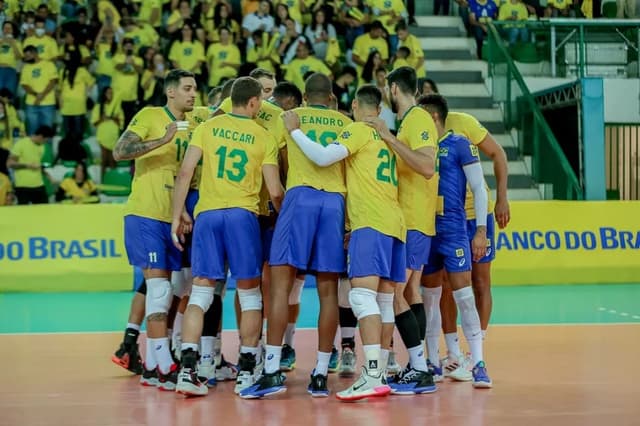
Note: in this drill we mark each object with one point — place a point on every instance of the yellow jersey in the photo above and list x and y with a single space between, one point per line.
267 117
560 4
400 62
106 7
466 125
364 45
105 60
74 99
518 10
396 6
418 195
322 125
199 115
125 83
234 149
372 182
5 188
8 54
216 55
73 190
146 9
152 187
413 44
297 69
37 76
28 152
256 52
108 131
187 54
48 49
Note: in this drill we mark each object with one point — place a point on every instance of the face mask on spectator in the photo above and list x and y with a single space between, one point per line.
40 32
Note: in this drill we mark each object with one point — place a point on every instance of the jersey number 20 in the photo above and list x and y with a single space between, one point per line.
386 171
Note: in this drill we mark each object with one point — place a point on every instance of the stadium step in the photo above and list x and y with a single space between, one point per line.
450 62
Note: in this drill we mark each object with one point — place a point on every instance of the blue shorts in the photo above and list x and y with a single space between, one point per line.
418 247
491 233
190 203
372 253
309 233
266 236
149 245
451 252
227 235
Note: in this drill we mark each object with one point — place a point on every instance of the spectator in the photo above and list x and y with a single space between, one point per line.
79 188
128 69
6 191
281 18
218 17
82 28
71 150
263 51
319 32
180 17
188 54
626 8
295 8
223 59
50 24
38 78
106 49
108 14
402 58
26 161
390 13
47 47
152 80
150 12
561 8
10 54
481 12
303 64
17 126
374 61
6 132
342 89
72 47
426 86
75 86
515 12
142 35
288 43
260 20
386 112
28 27
107 117
353 15
416 56
368 42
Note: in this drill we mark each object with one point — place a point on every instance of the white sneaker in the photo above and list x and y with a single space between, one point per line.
456 369
226 371
347 363
207 370
365 387
393 367
243 381
189 385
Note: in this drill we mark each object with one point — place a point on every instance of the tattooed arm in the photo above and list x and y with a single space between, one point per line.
131 146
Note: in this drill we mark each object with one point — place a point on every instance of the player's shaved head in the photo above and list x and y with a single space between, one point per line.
243 90
226 89
369 96
435 104
318 88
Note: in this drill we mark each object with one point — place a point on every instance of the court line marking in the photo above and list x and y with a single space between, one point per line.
615 312
569 324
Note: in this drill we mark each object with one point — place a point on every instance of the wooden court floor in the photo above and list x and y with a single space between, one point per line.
543 376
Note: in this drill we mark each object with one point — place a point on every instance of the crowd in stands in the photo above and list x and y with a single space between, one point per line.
79 68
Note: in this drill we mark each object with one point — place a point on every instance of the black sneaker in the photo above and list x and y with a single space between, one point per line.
318 386
413 382
266 385
246 367
167 382
127 356
149 377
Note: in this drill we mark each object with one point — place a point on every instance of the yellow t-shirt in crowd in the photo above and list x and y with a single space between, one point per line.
8 55
234 149
125 83
28 152
105 6
508 9
48 49
418 195
466 125
322 125
152 187
364 45
74 99
372 182
38 76
297 69
146 9
413 44
73 190
105 60
217 54
108 131
396 6
257 52
187 54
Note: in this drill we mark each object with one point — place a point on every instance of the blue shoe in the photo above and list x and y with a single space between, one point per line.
287 358
333 361
318 386
266 385
413 382
435 371
480 377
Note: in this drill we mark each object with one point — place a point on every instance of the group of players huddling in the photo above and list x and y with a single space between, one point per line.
376 216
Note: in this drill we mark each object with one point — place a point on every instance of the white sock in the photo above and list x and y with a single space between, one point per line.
470 321
484 334
416 358
133 326
347 332
384 359
288 334
150 362
322 364
206 349
177 325
372 355
162 354
272 363
217 349
453 345
431 301
249 350
186 346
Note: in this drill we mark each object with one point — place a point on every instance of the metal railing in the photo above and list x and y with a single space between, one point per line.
622 153
585 47
535 138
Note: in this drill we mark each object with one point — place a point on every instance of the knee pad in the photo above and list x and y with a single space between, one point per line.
344 286
385 302
221 288
159 296
363 302
296 292
188 281
202 297
177 283
250 300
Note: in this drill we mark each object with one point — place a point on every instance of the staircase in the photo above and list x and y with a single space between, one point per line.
450 62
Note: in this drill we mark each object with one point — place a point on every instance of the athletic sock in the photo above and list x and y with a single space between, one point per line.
133 326
419 312
384 359
150 362
470 321
162 354
453 345
431 300
408 328
272 363
322 364
206 349
372 356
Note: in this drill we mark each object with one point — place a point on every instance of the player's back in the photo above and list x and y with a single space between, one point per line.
372 182
234 149
454 152
268 115
321 125
417 195
152 186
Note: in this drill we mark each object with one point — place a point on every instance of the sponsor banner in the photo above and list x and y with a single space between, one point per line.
63 248
569 242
